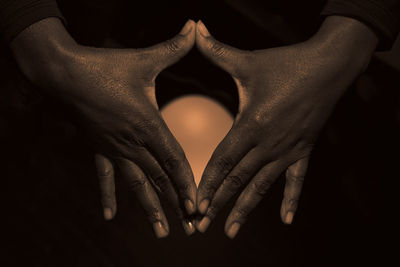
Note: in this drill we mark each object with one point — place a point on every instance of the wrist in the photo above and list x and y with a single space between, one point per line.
42 49
347 40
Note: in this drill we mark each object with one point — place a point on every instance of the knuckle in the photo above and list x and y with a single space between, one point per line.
146 124
172 163
240 213
209 186
217 49
137 185
105 173
173 45
233 183
224 163
184 187
131 138
261 187
212 211
294 176
258 122
153 214
161 181
106 198
292 202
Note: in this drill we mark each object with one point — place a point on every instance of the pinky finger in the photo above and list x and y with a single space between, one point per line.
105 174
294 182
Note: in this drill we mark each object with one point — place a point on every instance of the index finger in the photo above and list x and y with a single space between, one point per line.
225 157
171 157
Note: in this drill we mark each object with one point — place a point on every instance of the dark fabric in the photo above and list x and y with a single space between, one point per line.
16 15
380 15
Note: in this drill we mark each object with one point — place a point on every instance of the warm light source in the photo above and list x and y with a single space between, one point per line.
199 123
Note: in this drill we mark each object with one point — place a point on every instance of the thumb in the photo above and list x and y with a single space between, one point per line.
226 57
171 51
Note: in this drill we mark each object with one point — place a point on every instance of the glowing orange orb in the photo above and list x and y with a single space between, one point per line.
199 123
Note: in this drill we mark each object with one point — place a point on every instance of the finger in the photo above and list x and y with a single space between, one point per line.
105 174
235 180
141 154
145 160
173 161
160 179
294 182
146 196
226 57
251 196
171 51
225 157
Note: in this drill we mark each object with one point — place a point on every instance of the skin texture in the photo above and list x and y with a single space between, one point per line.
112 91
286 95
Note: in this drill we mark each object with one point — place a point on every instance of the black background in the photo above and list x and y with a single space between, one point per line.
49 191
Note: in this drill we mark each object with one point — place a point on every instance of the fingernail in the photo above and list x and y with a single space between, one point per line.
203 224
189 206
204 206
159 230
233 230
107 214
188 227
289 217
202 28
187 28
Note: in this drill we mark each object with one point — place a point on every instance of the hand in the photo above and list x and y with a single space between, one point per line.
113 93
286 94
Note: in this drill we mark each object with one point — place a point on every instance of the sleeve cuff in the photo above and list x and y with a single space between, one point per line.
378 17
15 18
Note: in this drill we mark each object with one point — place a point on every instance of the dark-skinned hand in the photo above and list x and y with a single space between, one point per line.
113 93
286 95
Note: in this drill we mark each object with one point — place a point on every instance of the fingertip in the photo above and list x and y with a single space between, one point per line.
202 29
192 22
289 218
203 225
287 213
233 230
189 227
202 36
188 27
190 193
283 212
190 207
203 206
108 214
160 230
